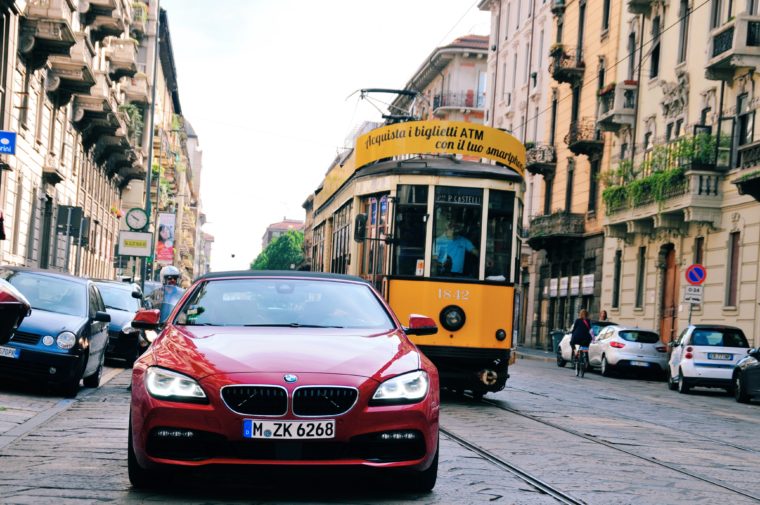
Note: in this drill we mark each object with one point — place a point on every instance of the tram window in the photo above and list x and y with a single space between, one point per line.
499 239
457 232
409 233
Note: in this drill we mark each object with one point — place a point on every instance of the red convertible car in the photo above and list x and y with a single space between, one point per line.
284 368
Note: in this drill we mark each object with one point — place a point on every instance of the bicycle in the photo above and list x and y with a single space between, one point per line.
581 361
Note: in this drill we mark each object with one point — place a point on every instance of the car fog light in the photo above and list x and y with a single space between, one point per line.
501 335
452 317
399 435
174 433
48 340
52 370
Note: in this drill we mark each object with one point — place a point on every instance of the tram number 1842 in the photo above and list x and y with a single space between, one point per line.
453 294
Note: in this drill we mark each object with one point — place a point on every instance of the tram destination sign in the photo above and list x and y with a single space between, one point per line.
441 137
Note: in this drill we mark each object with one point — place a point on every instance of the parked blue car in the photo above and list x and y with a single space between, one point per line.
64 338
122 301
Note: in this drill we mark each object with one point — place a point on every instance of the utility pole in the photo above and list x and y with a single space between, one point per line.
149 169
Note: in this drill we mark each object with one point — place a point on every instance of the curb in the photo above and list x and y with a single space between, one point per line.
545 359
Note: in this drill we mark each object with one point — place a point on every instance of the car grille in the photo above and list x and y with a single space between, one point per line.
323 401
256 400
26 338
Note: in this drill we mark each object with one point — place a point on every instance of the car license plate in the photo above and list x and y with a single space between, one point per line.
289 430
639 363
716 355
9 352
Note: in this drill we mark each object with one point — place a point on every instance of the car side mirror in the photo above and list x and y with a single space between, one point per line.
136 294
102 317
421 325
147 319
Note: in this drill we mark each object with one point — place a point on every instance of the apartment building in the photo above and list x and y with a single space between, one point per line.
519 90
684 186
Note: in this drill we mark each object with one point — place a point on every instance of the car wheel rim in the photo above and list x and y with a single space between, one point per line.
737 387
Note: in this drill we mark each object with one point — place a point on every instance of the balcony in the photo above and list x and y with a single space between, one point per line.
52 173
584 138
105 19
95 114
107 145
617 106
122 57
640 6
541 160
554 230
460 100
45 30
558 7
566 65
139 18
72 74
732 46
748 182
136 89
676 199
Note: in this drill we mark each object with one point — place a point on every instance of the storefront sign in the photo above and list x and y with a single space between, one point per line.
575 285
563 282
588 284
553 283
441 137
135 243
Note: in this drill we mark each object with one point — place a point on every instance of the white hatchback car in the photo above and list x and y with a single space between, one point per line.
564 353
705 355
624 347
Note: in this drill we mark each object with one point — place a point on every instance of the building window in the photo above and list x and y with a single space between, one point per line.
745 120
548 187
717 7
606 16
699 250
683 35
569 186
318 248
506 22
705 116
618 268
654 55
40 110
631 55
340 239
640 275
593 185
732 281
581 27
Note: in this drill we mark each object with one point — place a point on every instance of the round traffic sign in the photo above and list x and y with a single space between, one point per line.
696 274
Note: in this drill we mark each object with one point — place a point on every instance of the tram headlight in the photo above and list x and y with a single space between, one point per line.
452 317
501 335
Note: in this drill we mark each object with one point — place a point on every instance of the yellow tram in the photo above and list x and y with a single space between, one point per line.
421 210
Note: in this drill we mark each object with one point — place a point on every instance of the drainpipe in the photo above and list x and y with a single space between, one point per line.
496 65
530 68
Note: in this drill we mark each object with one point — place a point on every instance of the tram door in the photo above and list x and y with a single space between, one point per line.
373 252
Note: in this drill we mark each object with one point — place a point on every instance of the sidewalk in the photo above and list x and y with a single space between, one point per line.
534 354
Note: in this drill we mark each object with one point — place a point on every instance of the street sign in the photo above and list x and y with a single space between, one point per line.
696 274
693 294
134 243
7 142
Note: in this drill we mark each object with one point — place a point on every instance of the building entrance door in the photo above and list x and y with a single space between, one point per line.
669 320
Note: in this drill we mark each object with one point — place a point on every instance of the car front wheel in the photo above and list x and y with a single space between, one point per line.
740 391
138 476
561 362
605 367
672 385
421 482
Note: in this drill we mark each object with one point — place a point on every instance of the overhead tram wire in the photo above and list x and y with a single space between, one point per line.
625 58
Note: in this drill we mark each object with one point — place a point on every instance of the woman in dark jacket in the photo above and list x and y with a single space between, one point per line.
581 332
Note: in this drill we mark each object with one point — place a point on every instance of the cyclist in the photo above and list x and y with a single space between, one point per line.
581 332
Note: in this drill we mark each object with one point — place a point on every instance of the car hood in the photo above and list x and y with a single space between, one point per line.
203 351
42 322
119 319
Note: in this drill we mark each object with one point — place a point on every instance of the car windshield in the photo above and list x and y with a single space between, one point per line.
642 337
284 302
53 294
598 326
118 297
719 337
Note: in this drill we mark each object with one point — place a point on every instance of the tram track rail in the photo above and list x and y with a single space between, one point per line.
610 445
530 479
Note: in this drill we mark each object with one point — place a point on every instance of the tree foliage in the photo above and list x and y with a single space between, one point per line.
281 253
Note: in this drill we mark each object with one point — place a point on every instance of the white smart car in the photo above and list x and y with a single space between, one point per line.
705 355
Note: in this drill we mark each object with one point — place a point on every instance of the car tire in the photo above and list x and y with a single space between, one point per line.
93 380
683 387
672 385
560 361
740 390
139 477
605 368
421 482
70 387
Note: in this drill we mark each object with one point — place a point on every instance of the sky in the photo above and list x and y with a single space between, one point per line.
270 88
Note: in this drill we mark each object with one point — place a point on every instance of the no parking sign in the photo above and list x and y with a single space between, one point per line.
696 274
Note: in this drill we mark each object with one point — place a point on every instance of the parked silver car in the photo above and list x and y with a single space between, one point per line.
631 348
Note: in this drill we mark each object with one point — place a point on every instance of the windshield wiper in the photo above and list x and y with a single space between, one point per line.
116 308
291 325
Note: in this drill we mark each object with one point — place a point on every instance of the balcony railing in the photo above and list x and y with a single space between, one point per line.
617 106
552 229
459 100
566 65
732 46
541 159
136 89
72 74
584 137
122 55
639 6
749 155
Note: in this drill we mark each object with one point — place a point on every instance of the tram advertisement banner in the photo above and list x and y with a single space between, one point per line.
441 137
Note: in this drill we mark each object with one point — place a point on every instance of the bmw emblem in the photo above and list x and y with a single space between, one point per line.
290 378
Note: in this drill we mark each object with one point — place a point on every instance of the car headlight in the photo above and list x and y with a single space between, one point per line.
174 386
66 340
408 388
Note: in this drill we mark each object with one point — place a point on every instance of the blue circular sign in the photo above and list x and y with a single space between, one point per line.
696 274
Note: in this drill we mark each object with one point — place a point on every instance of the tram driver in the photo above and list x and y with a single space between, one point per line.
450 250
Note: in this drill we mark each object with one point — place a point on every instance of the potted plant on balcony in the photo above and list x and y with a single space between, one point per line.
607 89
556 49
